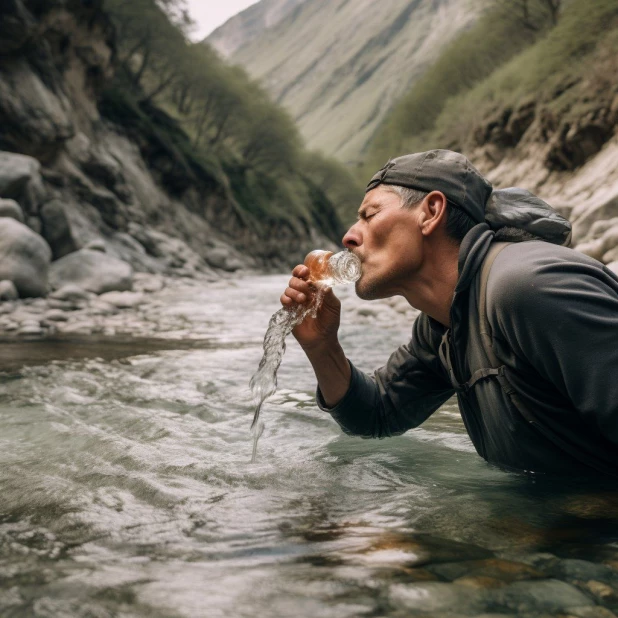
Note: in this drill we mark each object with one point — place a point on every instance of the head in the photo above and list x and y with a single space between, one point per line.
402 235
416 211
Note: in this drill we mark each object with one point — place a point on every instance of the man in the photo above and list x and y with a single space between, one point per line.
525 334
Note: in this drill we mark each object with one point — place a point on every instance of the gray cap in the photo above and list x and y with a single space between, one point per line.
439 170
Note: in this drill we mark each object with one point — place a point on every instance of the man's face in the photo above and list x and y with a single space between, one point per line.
388 240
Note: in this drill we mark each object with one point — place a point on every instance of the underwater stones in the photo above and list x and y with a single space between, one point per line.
573 569
505 570
548 595
435 597
93 271
24 258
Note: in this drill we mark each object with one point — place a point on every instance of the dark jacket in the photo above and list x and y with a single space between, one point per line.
553 315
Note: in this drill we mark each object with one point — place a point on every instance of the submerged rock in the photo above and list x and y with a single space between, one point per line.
549 595
24 258
93 271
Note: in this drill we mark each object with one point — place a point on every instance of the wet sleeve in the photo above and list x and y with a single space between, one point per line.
561 316
400 395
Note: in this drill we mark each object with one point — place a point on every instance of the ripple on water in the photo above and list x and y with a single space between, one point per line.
127 491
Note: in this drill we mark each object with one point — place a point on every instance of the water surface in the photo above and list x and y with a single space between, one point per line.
127 490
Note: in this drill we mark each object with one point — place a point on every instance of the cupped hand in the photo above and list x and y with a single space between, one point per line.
321 330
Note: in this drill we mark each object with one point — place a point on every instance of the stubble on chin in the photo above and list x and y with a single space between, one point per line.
366 290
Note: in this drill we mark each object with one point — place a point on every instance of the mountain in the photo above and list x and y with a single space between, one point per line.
339 66
249 24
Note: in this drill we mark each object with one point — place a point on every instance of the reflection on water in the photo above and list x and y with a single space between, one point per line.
127 491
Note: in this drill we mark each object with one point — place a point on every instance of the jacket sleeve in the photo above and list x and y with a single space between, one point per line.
561 316
401 395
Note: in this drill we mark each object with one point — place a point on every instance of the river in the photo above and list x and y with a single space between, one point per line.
127 490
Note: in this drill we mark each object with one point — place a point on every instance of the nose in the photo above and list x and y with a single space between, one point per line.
352 238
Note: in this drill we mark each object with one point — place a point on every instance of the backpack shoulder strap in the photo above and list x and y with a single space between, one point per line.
485 328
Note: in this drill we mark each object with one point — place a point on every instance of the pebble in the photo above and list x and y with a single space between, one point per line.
71 292
63 305
435 597
30 329
123 300
56 315
100 307
78 328
603 592
479 582
6 307
571 569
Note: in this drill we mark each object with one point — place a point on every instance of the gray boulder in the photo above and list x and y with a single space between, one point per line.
224 259
8 291
93 271
24 258
16 171
56 229
10 208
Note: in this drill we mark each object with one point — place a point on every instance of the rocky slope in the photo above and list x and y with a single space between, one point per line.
567 154
101 198
250 24
339 66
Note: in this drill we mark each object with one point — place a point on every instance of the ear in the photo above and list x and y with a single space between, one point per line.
432 212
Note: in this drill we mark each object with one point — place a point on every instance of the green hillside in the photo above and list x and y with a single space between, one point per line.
215 124
338 67
480 91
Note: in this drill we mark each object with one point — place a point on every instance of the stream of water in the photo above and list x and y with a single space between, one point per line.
128 491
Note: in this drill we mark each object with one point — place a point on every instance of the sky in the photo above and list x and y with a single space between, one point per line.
209 14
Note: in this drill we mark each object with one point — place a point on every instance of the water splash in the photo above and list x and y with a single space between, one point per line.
341 268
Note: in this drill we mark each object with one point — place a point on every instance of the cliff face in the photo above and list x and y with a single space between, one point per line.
566 150
110 179
339 66
250 24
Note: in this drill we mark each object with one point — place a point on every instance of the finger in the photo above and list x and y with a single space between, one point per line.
300 285
301 271
295 295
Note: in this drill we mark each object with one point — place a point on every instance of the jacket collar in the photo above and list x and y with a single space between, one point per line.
472 252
